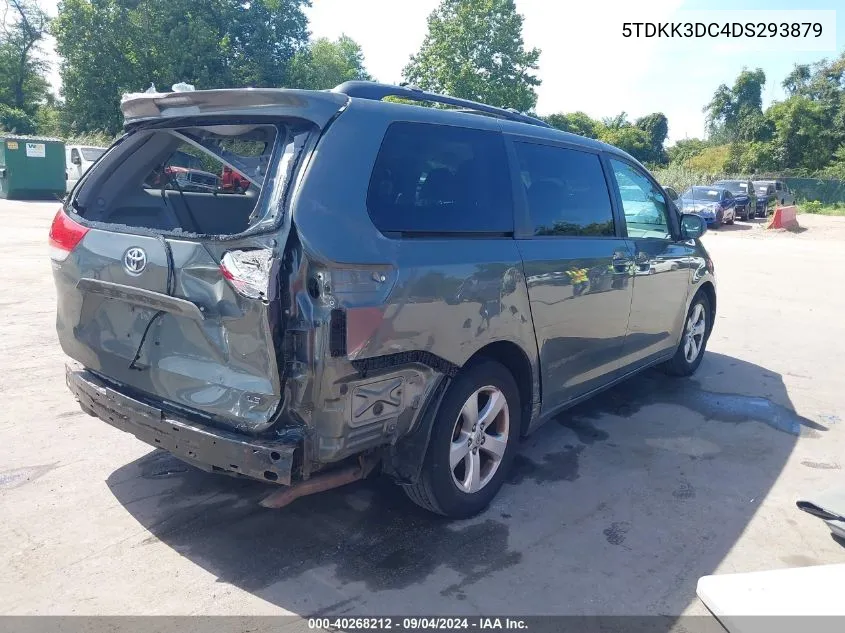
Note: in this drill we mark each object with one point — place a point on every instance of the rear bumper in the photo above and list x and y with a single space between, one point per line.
206 447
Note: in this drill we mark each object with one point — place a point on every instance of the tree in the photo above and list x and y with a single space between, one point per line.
109 47
685 149
16 120
803 133
474 50
730 108
616 122
22 83
712 160
656 126
629 139
326 64
754 158
576 123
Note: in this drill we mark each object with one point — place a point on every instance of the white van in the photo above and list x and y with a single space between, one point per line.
78 158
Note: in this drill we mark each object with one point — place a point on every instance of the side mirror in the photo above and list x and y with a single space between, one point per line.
692 226
75 159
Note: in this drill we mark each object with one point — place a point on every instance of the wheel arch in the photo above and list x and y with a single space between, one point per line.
513 358
709 290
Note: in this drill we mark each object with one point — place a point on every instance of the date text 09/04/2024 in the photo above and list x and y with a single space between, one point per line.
415 623
726 29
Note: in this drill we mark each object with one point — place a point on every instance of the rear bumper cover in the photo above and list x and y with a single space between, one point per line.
206 447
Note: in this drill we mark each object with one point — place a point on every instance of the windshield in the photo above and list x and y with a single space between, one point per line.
90 154
762 187
705 194
734 186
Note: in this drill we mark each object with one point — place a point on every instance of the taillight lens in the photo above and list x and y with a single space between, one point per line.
65 234
248 271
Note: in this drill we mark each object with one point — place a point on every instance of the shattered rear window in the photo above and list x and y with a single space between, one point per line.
201 179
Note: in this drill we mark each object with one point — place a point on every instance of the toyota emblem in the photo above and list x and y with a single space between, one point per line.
135 260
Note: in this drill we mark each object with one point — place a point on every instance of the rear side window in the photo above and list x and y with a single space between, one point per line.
432 178
566 191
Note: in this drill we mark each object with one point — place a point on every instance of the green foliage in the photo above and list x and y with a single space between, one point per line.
15 120
813 206
22 83
736 113
643 140
616 122
576 123
799 135
803 131
755 157
836 169
712 160
109 47
818 208
682 178
656 126
474 50
96 138
685 149
629 139
326 64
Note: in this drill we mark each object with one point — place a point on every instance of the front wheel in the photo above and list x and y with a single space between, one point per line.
472 443
697 329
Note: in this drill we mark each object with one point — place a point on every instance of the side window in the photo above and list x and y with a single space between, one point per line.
431 178
644 205
566 191
779 186
728 195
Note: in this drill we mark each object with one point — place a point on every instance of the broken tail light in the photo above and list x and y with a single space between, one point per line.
248 271
65 234
357 298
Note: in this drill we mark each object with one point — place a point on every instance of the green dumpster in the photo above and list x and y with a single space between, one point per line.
31 167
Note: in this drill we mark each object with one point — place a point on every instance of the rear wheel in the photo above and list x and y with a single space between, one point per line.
472 443
690 350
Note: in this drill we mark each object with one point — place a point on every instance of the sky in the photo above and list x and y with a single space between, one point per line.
585 63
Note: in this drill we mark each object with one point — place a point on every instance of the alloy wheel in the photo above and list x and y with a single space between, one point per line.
479 439
694 333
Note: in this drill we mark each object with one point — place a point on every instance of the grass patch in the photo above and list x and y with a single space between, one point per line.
815 207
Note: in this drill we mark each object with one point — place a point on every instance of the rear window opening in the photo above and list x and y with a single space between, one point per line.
212 180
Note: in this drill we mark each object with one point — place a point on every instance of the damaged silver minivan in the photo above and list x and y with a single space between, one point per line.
398 287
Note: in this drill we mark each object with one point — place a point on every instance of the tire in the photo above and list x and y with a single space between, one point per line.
716 225
680 364
439 488
237 188
733 218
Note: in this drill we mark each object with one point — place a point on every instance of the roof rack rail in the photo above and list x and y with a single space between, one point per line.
377 92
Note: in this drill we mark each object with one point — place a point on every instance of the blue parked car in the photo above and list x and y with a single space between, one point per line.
744 195
715 205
